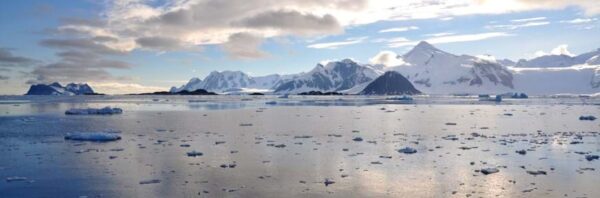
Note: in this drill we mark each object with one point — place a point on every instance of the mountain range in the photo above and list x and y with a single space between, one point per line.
430 70
57 89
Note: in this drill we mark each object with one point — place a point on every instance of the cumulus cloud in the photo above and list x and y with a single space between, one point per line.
127 25
558 50
244 46
386 58
293 22
8 59
337 44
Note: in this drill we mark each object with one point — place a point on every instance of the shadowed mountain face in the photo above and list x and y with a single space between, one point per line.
390 83
58 89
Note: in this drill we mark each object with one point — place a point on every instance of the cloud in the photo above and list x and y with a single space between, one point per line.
449 39
7 59
528 19
386 58
579 20
335 45
80 44
399 29
209 22
590 7
244 46
78 66
159 43
439 34
517 26
558 50
293 22
466 37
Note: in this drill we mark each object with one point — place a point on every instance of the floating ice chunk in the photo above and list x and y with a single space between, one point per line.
487 171
150 181
194 154
407 150
521 152
537 172
271 102
590 118
591 157
357 139
284 96
92 136
93 111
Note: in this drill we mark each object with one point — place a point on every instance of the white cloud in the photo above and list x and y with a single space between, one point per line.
517 26
466 37
558 50
386 58
580 20
438 34
452 39
335 45
528 19
399 29
195 22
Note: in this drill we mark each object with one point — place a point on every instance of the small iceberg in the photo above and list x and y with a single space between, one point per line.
537 172
407 150
590 118
592 157
487 171
150 181
284 96
271 102
92 136
519 96
94 111
401 98
194 154
487 98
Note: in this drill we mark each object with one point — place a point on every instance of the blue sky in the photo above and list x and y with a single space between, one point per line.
284 37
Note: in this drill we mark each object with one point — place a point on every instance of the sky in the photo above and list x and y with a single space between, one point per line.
133 46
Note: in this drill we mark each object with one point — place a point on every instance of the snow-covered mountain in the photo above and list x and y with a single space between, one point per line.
561 60
334 76
231 81
432 70
57 89
577 79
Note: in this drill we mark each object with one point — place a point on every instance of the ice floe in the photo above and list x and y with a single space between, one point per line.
94 111
92 136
